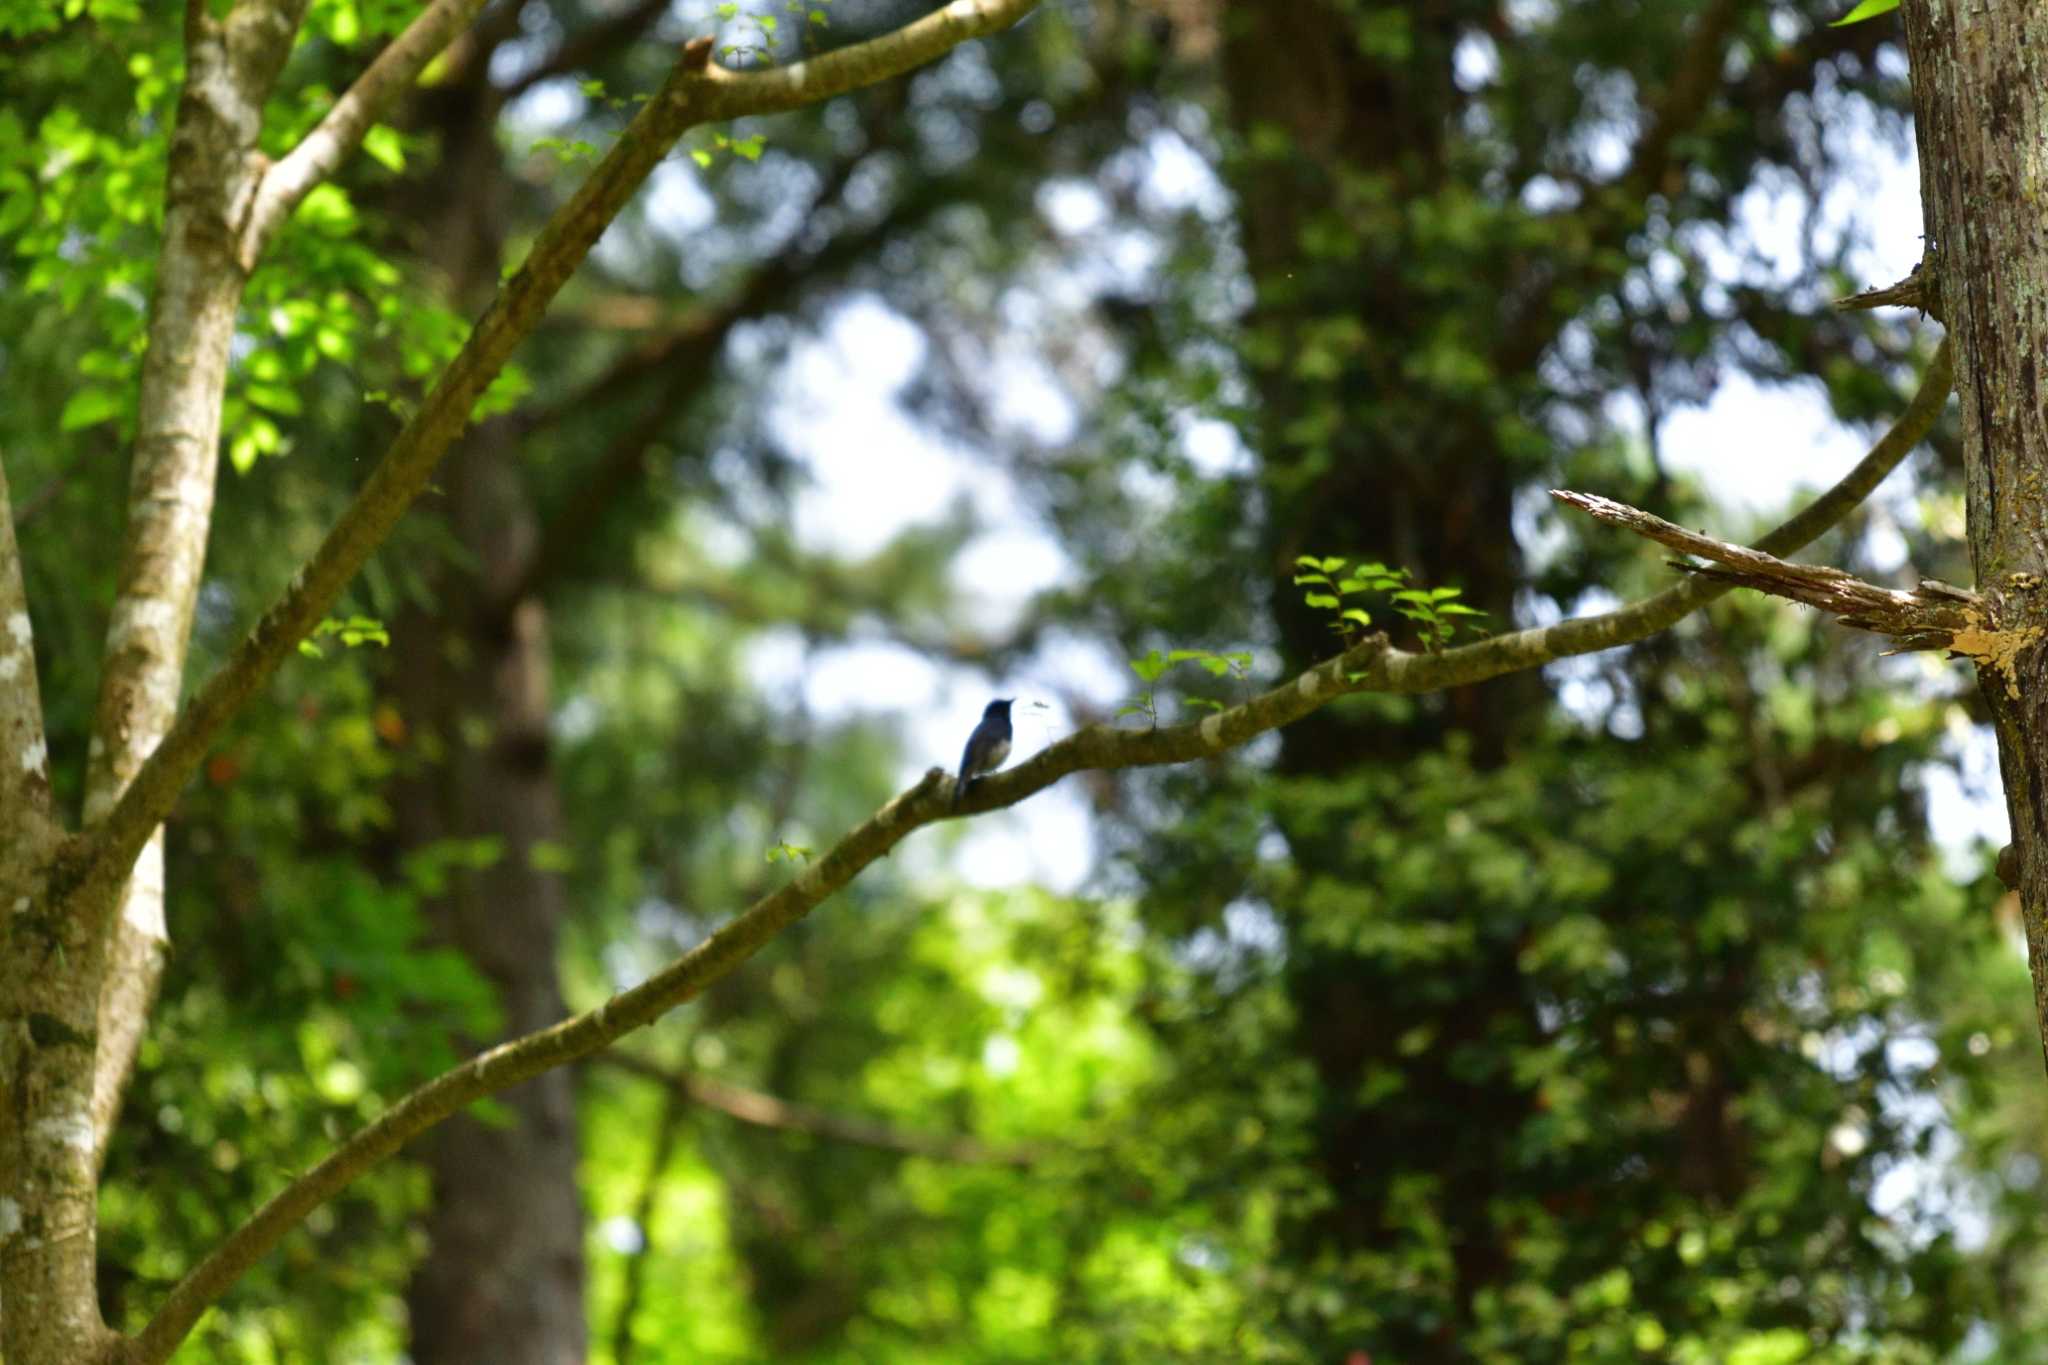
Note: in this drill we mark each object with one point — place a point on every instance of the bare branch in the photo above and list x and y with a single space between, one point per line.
336 136
736 94
1929 617
1911 292
770 1111
1523 649
694 93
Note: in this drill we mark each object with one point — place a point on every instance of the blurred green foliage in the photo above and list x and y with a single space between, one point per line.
1623 1012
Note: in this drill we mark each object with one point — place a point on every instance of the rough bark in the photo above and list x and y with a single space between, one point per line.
1980 98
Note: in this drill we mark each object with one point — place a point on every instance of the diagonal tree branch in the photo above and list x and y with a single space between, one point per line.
696 92
687 355
1522 649
332 140
1371 665
1932 608
1934 615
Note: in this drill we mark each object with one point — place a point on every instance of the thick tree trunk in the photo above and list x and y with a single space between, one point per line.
503 1279
1980 97
1433 495
77 989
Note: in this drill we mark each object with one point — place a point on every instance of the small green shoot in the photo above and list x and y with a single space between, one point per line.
355 630
1154 666
1326 580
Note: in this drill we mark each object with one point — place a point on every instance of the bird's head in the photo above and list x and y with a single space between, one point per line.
1000 707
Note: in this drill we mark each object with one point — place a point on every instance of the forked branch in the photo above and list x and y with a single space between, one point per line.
696 92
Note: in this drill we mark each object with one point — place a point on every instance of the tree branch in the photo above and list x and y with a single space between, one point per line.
1370 665
1521 649
740 938
694 93
769 1111
1911 292
774 90
1929 617
232 65
338 134
687 356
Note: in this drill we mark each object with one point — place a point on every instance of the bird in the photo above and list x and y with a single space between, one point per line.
986 748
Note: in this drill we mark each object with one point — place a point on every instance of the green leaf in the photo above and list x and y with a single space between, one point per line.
1204 703
750 147
1355 614
1321 599
89 407
1151 666
1869 9
383 145
1214 663
700 156
274 397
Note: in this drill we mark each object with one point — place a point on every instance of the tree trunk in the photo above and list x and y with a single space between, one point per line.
1980 100
1433 495
503 1279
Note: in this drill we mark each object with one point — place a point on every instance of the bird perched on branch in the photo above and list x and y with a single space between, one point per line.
986 748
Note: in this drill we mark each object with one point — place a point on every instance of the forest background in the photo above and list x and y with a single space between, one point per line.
1621 1009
